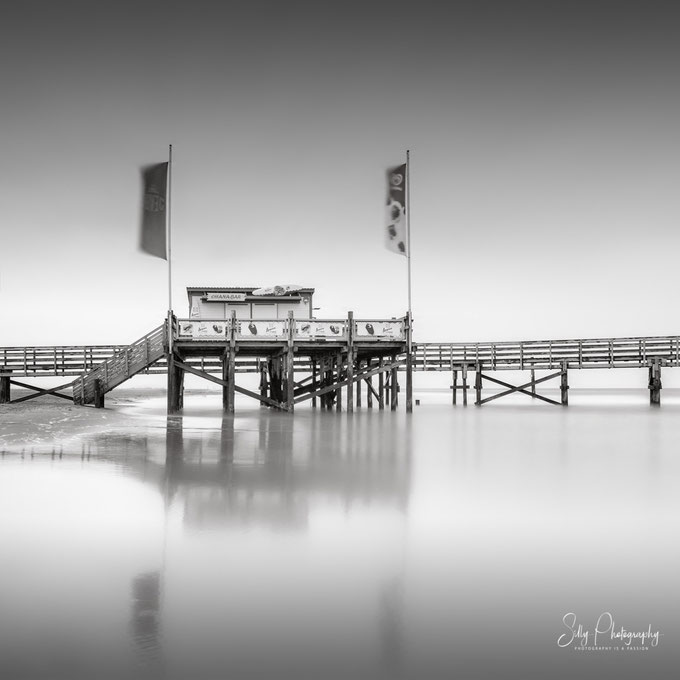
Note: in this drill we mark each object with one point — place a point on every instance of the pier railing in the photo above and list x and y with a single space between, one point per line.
122 365
71 360
550 354
278 330
58 360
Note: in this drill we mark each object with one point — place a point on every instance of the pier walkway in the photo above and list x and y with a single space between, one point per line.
315 359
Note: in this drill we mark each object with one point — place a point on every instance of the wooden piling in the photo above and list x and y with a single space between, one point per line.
5 389
369 389
478 385
655 383
225 377
564 385
381 386
170 389
274 370
264 385
330 396
533 381
465 385
409 363
350 362
358 385
229 368
290 365
175 386
314 381
394 387
454 387
228 375
98 394
338 377
409 383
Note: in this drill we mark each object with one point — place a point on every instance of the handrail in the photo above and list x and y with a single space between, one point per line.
582 353
122 365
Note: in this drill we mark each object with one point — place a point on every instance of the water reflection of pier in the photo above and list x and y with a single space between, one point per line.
272 546
263 471
265 474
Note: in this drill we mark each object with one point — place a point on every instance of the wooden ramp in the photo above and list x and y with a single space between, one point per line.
126 362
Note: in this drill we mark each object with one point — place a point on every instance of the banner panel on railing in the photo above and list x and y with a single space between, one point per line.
379 330
258 329
311 329
202 330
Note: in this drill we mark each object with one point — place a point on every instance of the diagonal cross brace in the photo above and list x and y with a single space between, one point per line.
224 383
520 388
40 391
355 378
370 387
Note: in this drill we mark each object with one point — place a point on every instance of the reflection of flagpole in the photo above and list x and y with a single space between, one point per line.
408 243
168 233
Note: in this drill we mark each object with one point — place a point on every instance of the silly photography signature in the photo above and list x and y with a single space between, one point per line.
606 636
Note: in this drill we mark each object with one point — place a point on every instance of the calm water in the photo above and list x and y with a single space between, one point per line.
448 544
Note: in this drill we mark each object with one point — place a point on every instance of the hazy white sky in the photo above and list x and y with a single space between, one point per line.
544 143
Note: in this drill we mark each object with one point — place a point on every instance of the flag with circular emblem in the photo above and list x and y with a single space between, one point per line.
154 200
395 227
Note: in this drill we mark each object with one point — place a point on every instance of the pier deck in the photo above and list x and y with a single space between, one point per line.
330 354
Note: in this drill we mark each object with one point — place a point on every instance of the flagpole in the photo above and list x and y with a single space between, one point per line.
168 234
408 241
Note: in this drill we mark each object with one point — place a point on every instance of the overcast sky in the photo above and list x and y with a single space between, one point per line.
544 139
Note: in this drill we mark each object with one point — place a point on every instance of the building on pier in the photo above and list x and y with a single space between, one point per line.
250 302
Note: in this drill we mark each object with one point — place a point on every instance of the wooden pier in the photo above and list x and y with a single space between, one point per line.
297 360
557 357
327 362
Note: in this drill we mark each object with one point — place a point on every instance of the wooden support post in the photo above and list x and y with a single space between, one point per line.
350 361
564 385
264 383
98 394
533 381
290 364
655 383
394 387
381 386
409 365
314 382
369 390
5 389
329 381
478 385
274 368
337 394
171 384
230 372
225 377
229 376
465 385
454 387
322 382
350 385
358 385
409 383
180 389
175 386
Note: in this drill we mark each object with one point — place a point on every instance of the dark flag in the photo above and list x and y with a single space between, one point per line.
155 188
395 236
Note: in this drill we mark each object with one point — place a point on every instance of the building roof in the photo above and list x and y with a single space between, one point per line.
248 290
239 289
